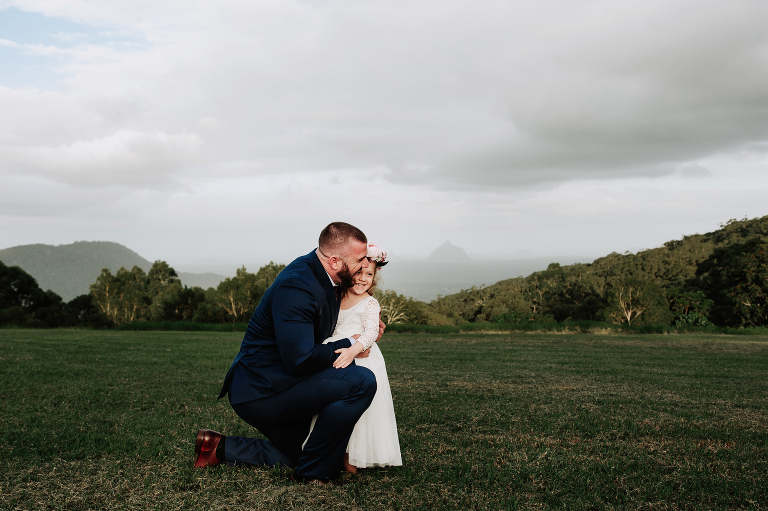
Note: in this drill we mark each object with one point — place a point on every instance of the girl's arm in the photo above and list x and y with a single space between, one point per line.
371 314
367 338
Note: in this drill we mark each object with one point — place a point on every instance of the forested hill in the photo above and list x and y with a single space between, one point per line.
721 276
69 270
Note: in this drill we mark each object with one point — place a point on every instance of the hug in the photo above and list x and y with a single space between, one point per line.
309 374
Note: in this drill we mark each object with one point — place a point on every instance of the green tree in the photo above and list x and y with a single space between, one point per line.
182 304
162 285
52 313
122 297
84 312
522 318
398 309
265 277
571 294
23 303
104 292
238 296
638 301
209 310
395 308
425 314
736 278
19 289
133 299
690 308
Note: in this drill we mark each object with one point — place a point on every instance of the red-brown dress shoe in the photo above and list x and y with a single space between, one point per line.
205 448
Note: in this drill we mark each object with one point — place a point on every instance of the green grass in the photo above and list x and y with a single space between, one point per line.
181 326
107 420
583 327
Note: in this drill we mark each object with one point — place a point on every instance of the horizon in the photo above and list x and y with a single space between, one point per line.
520 255
446 271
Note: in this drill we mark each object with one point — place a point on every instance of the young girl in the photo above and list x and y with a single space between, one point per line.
374 441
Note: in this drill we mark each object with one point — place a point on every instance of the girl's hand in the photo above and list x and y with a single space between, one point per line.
347 355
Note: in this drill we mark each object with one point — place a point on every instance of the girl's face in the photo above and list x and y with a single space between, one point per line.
363 280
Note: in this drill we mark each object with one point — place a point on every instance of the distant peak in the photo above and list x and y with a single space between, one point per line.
449 253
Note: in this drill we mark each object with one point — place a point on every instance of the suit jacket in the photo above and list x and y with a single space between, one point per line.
284 340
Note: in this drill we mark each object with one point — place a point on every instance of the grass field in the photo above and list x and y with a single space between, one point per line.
107 420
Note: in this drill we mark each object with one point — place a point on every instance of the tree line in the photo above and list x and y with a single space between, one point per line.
132 295
718 278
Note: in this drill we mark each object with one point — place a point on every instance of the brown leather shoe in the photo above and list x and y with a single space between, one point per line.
205 448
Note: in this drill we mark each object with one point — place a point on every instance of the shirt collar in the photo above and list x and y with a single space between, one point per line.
329 277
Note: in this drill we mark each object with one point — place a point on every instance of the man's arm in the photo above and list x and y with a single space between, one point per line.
294 311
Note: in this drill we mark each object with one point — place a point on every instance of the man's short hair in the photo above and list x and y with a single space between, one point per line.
336 235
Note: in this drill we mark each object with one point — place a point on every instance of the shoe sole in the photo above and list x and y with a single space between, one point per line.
199 445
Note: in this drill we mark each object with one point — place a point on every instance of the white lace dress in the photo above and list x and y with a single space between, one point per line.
374 441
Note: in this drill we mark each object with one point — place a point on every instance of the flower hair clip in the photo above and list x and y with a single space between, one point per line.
377 255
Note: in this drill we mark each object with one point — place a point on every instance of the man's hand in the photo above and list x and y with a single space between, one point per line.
382 326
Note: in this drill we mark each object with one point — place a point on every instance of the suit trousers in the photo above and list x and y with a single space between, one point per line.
339 396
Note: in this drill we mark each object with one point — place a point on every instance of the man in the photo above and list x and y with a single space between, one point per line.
283 374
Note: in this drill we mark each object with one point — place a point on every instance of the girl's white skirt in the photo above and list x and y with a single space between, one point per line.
374 441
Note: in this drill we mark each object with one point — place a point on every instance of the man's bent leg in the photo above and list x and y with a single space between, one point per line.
323 453
256 451
285 417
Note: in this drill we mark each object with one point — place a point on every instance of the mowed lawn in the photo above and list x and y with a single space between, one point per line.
107 420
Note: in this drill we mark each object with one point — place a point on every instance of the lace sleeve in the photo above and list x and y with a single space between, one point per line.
371 312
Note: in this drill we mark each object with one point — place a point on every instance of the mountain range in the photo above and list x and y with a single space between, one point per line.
69 270
426 279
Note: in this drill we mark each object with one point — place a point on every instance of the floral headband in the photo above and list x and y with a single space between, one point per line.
377 255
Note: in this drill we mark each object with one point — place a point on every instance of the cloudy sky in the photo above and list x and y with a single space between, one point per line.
235 130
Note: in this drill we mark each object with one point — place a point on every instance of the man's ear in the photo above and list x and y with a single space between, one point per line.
333 262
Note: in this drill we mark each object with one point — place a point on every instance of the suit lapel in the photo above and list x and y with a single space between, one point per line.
333 302
330 290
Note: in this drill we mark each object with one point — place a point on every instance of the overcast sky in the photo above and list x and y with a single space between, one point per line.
236 130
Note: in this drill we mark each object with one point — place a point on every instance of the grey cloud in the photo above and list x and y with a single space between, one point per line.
694 170
433 114
503 94
32 197
625 92
34 117
126 158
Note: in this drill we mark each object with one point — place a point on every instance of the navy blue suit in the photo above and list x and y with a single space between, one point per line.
283 375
